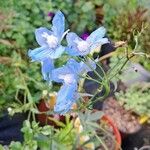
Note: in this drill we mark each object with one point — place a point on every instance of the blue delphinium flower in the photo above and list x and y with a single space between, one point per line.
69 76
66 97
50 42
47 67
80 47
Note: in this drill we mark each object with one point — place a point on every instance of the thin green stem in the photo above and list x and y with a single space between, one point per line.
16 97
91 68
99 66
109 134
111 69
33 116
103 79
25 98
63 138
102 142
29 115
89 78
93 100
119 70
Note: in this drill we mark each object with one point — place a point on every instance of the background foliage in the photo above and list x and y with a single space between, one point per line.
136 98
21 83
19 19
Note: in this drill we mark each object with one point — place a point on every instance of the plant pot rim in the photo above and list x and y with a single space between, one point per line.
115 130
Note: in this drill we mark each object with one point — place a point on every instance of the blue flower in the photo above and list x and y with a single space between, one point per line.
47 67
66 97
49 40
80 47
69 76
69 73
89 66
50 43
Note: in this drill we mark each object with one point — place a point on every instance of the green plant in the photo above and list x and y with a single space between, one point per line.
136 20
19 20
70 7
21 83
16 79
136 98
65 137
17 28
44 138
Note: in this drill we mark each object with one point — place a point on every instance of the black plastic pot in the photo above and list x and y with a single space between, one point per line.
137 140
10 128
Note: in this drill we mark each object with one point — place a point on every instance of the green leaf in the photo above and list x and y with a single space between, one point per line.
95 116
87 7
46 130
16 146
1 147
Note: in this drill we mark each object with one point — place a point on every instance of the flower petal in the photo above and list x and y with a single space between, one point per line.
71 37
59 71
58 24
98 43
103 41
38 35
47 67
56 53
68 73
96 35
65 98
90 66
72 49
39 54
73 65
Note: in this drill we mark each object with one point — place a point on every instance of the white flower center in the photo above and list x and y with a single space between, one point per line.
51 40
68 78
82 46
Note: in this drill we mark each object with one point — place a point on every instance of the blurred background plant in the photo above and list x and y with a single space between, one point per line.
67 136
21 83
18 22
136 99
21 80
126 21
